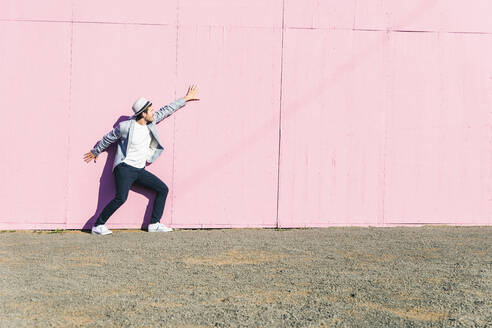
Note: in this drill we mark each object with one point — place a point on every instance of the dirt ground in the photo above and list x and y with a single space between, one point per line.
328 277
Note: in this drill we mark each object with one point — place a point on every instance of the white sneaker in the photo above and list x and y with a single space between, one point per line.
101 230
158 227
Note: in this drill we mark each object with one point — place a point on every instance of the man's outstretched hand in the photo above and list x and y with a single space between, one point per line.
192 93
89 157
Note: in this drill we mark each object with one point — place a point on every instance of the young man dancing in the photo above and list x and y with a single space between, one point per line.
138 143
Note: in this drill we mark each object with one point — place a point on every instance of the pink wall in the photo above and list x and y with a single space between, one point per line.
312 113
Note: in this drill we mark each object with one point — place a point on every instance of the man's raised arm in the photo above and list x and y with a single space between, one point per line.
191 95
167 110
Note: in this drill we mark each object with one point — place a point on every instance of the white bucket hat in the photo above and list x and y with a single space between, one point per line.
140 105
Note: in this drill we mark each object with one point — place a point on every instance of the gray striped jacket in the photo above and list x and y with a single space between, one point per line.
123 133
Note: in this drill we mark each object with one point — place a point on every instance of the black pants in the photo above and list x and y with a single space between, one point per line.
125 175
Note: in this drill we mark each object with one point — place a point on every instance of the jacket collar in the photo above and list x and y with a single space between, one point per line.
151 127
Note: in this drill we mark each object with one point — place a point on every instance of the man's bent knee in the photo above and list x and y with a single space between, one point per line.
163 189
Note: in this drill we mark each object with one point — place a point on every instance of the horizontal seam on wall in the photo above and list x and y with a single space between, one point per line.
247 26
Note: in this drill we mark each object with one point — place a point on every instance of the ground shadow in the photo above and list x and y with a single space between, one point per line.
107 188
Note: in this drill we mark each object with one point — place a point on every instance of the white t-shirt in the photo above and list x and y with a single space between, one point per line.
138 147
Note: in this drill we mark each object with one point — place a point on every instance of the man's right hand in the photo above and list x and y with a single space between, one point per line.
89 157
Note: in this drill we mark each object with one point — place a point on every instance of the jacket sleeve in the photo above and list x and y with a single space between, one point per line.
107 140
169 109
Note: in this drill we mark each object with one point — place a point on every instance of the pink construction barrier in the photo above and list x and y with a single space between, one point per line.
312 113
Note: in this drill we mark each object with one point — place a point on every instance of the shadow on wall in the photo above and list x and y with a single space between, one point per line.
107 190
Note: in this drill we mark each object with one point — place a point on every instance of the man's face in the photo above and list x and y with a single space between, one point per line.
149 116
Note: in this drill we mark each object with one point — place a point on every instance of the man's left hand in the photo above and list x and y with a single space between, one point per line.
192 93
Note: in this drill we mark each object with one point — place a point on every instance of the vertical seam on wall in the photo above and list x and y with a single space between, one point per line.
280 110
174 118
387 105
67 189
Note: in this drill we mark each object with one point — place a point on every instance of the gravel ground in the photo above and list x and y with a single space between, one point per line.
327 277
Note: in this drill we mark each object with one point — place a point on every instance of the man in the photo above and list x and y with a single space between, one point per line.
138 143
